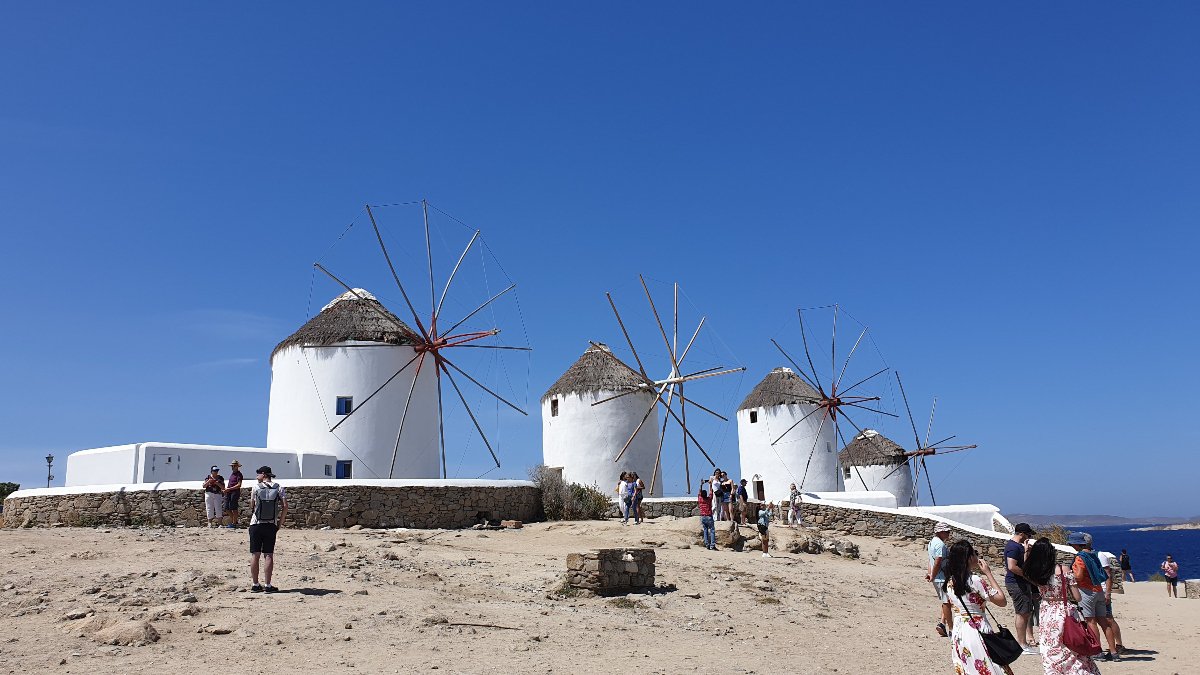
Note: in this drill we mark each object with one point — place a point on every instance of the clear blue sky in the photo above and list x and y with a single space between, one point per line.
1007 195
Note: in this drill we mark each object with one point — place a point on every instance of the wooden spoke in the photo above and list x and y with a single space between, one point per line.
863 407
481 385
799 370
404 415
471 414
666 340
662 435
691 341
653 405
710 412
911 423
816 440
845 365
804 338
641 368
438 312
863 381
797 423
392 268
480 308
387 317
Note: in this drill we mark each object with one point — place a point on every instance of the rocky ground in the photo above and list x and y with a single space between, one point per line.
469 601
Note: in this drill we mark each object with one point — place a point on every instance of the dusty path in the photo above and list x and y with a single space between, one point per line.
485 602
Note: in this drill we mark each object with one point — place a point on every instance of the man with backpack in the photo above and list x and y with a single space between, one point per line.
268 509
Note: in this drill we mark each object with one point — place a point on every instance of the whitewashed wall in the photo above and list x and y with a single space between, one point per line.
301 412
883 500
976 515
783 464
883 477
173 462
583 439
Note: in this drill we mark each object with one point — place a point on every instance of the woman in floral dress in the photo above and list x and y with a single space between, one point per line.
1042 569
970 585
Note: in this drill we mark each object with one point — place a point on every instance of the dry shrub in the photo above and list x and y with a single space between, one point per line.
568 501
1057 534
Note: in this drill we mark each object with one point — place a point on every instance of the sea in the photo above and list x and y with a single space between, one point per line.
1148 549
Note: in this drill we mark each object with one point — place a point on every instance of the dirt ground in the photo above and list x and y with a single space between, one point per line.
392 601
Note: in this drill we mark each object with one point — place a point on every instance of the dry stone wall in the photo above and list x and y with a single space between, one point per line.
308 506
684 507
612 570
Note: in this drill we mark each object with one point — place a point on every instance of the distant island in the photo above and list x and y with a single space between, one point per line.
1099 520
1191 525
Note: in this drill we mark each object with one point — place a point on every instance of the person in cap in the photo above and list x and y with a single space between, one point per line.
1019 587
937 571
268 510
233 493
214 487
1095 591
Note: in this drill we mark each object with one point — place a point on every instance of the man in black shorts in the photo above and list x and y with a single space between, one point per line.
268 509
1019 588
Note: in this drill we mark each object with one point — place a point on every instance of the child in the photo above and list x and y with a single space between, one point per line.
764 520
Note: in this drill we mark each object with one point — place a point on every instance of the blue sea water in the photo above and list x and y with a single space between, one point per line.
1148 549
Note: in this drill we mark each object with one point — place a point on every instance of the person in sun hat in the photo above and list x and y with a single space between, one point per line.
233 493
214 486
938 553
268 510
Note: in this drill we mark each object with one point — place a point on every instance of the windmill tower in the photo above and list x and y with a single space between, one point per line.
324 371
583 438
783 400
873 461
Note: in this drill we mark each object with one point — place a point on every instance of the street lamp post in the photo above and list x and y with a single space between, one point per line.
49 466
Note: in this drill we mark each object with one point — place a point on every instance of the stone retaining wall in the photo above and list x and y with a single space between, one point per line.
684 507
887 524
612 570
308 506
1191 588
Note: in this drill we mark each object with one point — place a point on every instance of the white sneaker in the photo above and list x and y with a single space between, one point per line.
1030 649
767 555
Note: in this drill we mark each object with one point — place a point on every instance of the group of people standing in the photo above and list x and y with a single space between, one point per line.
630 490
1046 595
221 498
268 509
708 500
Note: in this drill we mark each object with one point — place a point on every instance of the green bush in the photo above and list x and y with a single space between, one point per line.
569 501
7 489
1156 577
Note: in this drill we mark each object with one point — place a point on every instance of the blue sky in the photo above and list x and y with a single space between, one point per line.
1006 195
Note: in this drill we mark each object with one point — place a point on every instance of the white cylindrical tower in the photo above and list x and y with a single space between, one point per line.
804 456
324 373
873 461
583 439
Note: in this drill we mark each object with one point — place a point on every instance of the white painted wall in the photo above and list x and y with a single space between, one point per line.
885 477
298 482
883 500
975 515
305 384
174 462
98 466
782 464
583 439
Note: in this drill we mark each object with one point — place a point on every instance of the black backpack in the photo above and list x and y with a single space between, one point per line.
266 502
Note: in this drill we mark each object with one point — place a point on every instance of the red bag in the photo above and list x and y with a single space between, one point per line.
1076 635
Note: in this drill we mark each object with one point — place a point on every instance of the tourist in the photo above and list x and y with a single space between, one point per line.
625 499
214 488
1170 570
1095 590
639 487
1058 590
794 506
707 529
937 572
727 497
970 585
714 487
764 521
1019 587
742 498
1109 562
233 493
1126 566
268 511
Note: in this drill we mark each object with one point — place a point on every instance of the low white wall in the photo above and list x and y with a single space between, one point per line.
115 464
878 498
174 462
975 515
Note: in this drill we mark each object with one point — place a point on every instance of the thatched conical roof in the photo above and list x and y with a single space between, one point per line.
349 317
871 448
598 369
781 386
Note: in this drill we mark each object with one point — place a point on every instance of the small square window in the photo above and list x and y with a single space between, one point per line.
554 407
846 472
345 405
328 469
753 417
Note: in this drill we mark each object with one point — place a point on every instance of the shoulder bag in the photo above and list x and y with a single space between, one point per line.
1076 636
1001 646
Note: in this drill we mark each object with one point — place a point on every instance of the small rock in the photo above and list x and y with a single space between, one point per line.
361 592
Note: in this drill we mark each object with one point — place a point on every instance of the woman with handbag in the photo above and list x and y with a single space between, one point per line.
1067 643
970 586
